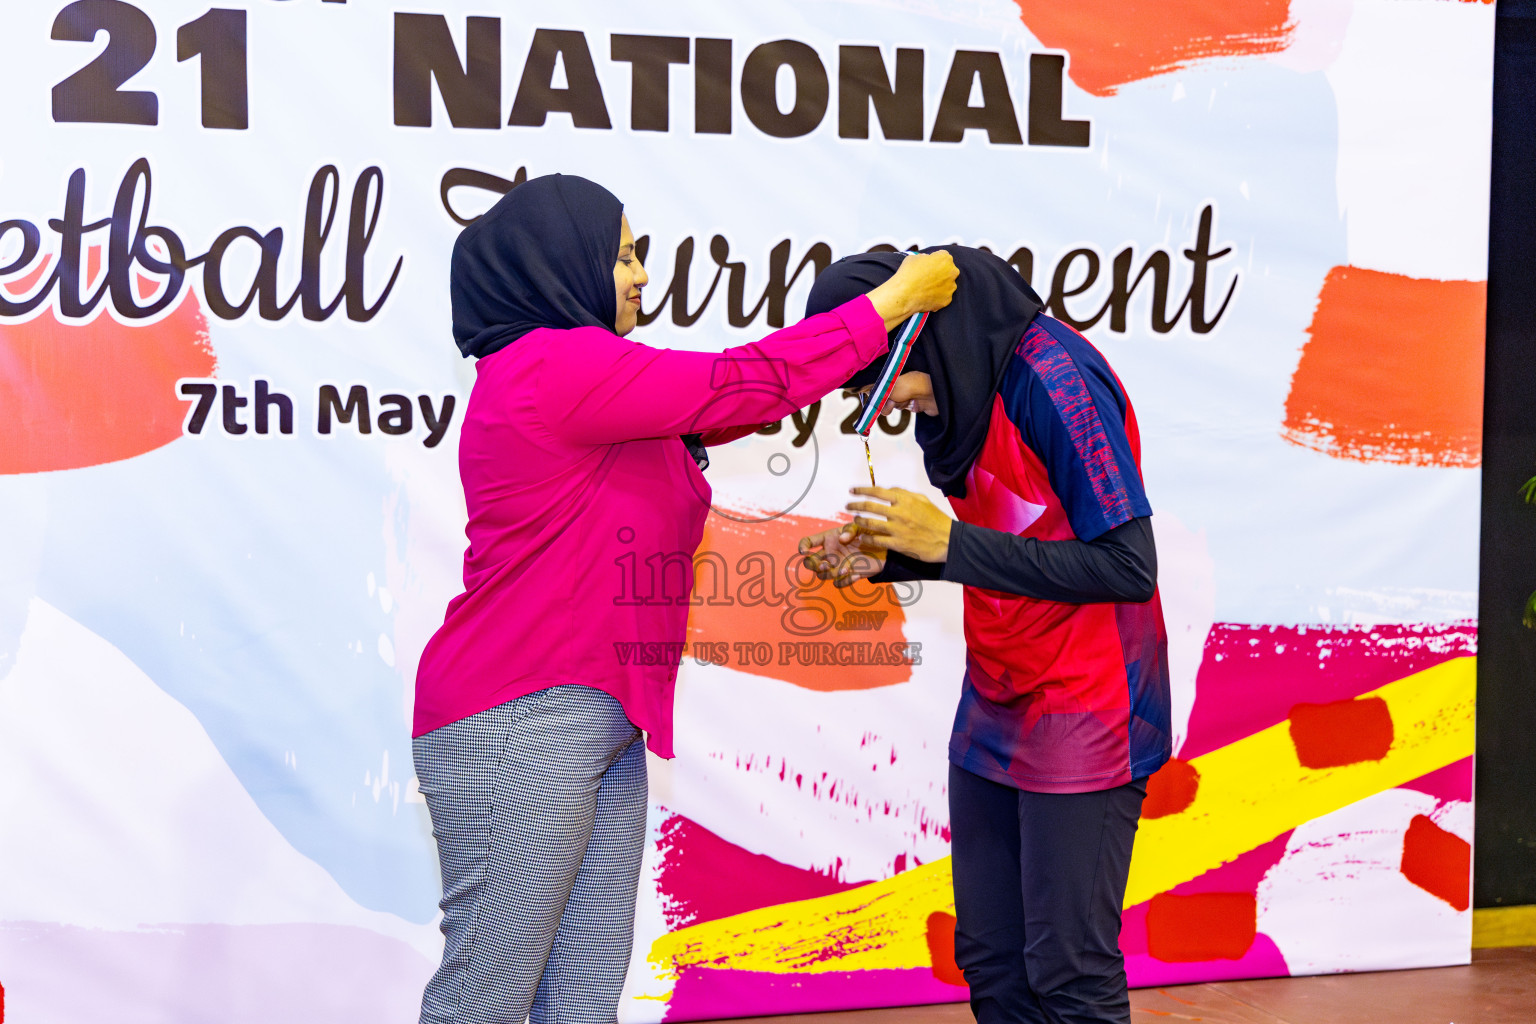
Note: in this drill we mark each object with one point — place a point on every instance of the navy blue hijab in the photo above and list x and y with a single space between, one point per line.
541 257
965 348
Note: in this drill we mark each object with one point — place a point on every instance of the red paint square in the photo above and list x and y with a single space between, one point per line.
1341 732
1437 861
1202 926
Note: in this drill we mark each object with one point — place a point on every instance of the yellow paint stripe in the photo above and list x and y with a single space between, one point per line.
1251 791
1493 927
1255 789
882 925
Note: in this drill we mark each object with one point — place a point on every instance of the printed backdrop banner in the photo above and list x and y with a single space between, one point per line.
230 510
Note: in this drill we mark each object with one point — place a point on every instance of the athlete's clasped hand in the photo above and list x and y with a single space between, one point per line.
895 520
836 555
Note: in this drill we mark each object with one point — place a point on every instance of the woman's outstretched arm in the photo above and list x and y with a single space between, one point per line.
600 389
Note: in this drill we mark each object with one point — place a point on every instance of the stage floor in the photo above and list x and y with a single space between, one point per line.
1498 987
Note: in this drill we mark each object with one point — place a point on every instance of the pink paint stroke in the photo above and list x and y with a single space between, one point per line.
1251 676
703 877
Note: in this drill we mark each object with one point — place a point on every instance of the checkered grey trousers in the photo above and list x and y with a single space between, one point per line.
538 808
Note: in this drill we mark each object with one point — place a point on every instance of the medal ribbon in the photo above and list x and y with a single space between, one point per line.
900 349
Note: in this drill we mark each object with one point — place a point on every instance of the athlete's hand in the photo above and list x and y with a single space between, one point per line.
836 555
908 523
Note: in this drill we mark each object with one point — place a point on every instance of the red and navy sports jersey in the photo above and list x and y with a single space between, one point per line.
1060 697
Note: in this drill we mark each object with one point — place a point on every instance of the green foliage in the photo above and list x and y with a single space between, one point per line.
1528 491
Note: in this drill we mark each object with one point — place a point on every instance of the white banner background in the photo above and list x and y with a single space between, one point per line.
208 643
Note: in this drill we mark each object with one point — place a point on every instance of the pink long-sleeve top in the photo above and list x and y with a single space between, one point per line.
574 475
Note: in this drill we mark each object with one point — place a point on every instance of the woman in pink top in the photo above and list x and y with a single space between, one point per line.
581 459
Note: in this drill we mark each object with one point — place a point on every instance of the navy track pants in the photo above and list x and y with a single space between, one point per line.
1039 881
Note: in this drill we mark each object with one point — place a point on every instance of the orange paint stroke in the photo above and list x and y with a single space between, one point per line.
24 284
1393 371
1113 42
748 587
79 395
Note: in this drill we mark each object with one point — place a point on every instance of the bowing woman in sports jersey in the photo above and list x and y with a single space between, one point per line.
1064 704
528 721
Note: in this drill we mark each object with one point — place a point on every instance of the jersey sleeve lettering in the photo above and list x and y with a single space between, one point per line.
1071 413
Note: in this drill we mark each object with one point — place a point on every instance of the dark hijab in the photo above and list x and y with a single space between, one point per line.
541 257
965 347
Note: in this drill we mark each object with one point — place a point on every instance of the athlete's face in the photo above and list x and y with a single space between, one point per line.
912 391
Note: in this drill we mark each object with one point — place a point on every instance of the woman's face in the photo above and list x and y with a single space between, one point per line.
628 278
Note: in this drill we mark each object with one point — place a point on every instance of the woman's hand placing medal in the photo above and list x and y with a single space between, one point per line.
924 282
